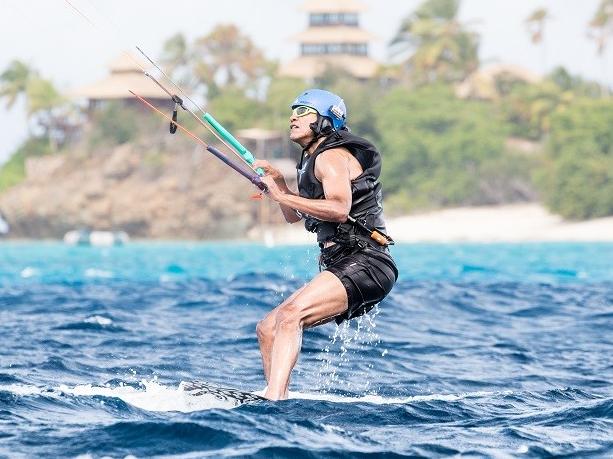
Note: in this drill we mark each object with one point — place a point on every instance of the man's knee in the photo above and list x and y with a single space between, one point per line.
265 329
289 317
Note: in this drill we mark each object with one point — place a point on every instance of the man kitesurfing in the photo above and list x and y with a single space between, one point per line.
339 198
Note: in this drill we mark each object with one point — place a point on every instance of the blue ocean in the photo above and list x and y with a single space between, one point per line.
489 350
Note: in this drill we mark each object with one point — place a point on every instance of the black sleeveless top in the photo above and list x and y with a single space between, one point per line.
366 193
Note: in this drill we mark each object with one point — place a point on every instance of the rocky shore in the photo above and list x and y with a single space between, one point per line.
147 190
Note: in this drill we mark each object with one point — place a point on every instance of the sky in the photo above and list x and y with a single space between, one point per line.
49 36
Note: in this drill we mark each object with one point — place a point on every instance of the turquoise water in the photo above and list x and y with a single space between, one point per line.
480 350
50 262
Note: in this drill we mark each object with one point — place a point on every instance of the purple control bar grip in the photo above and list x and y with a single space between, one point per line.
252 177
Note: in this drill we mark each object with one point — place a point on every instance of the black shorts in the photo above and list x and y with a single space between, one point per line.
368 275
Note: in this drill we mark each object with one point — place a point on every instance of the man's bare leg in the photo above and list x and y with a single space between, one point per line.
266 330
320 300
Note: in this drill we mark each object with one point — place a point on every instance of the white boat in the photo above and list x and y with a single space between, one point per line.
96 238
4 226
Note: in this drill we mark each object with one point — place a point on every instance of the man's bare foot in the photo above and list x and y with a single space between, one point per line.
274 396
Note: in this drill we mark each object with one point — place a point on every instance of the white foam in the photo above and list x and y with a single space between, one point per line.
379 400
100 320
22 389
28 272
157 397
98 273
523 449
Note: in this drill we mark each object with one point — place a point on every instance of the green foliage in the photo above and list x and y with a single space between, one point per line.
578 182
234 110
114 124
13 171
436 146
579 188
359 97
577 85
529 107
583 128
14 81
42 96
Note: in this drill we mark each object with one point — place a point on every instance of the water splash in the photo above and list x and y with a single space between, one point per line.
151 396
338 369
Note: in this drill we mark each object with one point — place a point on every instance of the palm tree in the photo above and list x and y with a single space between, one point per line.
174 52
535 24
14 82
438 45
43 100
175 58
601 29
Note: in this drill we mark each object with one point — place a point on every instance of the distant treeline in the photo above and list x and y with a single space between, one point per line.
449 137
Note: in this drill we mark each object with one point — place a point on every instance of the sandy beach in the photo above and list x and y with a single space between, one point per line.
509 223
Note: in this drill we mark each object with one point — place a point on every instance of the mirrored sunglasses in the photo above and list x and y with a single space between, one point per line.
303 111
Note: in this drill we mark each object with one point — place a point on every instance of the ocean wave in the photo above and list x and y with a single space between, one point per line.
92 323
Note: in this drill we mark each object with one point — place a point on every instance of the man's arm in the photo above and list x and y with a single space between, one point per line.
288 212
332 169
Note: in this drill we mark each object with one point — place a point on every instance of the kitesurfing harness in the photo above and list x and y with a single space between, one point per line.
365 223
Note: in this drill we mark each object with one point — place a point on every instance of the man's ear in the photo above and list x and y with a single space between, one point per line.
326 126
323 126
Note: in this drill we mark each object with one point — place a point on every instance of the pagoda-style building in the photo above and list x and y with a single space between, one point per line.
124 73
333 38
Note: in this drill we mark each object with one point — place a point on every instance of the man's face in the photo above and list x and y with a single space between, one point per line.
299 126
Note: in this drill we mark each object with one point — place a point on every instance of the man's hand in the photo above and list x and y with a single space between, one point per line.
269 170
274 192
278 190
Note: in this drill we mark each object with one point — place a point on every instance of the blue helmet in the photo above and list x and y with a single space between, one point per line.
326 103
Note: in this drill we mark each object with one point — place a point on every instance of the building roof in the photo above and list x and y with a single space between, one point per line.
125 73
520 73
481 84
310 65
307 67
334 34
333 6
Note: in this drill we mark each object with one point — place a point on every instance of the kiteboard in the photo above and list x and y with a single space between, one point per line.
225 394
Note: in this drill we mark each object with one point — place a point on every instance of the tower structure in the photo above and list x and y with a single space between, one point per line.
333 38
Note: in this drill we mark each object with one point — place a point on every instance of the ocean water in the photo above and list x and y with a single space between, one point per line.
480 351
